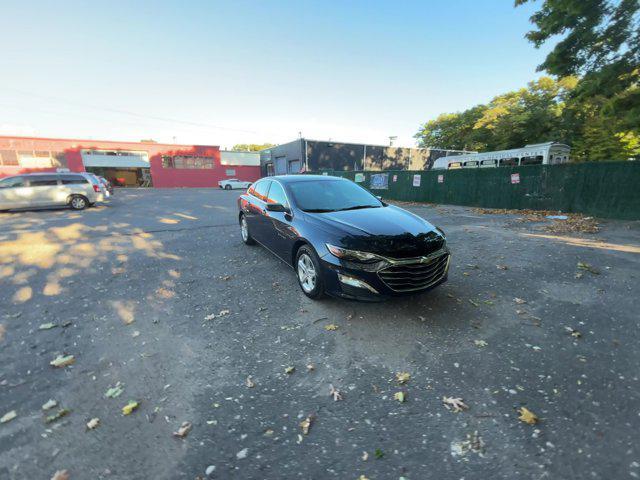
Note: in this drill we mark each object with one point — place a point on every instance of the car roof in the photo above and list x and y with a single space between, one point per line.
302 178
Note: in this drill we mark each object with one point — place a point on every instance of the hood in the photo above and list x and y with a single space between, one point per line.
388 231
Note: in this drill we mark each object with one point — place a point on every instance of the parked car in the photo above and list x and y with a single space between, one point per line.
77 190
231 183
341 240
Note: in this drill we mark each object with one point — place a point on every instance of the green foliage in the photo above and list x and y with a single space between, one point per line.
529 115
251 147
592 104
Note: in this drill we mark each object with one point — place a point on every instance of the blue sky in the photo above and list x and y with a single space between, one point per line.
221 73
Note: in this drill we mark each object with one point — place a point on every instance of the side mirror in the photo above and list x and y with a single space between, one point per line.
379 197
276 207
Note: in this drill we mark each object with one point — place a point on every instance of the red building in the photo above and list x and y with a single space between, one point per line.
127 163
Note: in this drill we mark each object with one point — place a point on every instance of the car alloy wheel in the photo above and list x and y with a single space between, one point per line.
306 273
78 203
244 229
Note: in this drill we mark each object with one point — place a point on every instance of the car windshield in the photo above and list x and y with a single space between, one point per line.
331 196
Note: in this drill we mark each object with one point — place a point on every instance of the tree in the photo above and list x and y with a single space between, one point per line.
601 43
529 115
251 147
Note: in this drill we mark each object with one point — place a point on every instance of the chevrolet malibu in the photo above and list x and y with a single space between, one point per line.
341 240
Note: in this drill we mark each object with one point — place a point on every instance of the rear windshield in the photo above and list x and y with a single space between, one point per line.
329 196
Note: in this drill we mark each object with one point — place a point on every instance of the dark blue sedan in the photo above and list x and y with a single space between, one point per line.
341 240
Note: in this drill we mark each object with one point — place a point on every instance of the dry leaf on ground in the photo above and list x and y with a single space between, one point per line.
114 392
7 417
455 404
130 407
184 430
289 370
47 326
588 268
335 393
249 383
63 412
574 333
63 361
49 405
527 416
519 301
311 367
93 423
403 377
480 343
61 475
305 425
2 331
331 327
399 396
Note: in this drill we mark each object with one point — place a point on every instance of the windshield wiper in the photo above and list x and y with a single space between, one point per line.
358 207
319 210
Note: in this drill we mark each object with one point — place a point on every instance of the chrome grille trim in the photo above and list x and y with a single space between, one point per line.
418 275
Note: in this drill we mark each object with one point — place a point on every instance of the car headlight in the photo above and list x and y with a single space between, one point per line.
345 254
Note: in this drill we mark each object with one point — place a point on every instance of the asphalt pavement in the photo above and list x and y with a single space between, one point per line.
160 303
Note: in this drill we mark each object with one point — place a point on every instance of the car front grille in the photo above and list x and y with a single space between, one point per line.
407 277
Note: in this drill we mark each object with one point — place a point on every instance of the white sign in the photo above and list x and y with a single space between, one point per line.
395 178
359 177
416 180
515 178
440 178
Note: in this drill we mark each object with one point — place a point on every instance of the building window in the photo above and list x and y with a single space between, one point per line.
230 172
8 158
35 159
188 162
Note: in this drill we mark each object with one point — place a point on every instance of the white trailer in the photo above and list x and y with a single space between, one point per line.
548 153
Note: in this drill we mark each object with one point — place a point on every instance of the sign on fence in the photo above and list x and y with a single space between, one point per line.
440 178
379 181
416 180
395 178
515 178
359 177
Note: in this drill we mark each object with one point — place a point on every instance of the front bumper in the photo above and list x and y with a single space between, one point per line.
392 278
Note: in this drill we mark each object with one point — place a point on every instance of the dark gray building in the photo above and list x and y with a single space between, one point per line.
304 155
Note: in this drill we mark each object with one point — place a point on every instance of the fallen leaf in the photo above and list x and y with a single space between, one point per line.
93 423
2 331
49 405
331 327
378 453
588 268
305 425
135 333
573 332
455 404
475 304
311 367
335 393
399 396
47 326
130 407
519 301
362 477
7 417
63 412
61 475
480 343
527 416
289 370
249 383
403 377
63 361
184 430
502 267
213 315
365 456
114 392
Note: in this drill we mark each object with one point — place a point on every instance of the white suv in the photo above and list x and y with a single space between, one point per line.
231 183
77 190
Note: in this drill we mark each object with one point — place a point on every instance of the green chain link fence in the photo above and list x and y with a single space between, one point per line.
602 189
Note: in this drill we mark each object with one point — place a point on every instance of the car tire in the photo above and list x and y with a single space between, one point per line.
245 234
227 187
78 202
309 272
